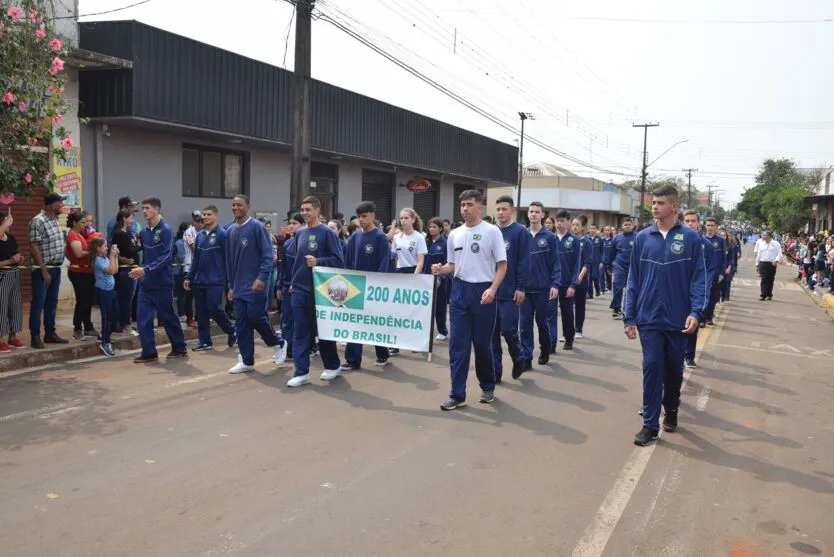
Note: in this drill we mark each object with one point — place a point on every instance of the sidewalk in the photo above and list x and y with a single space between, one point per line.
75 350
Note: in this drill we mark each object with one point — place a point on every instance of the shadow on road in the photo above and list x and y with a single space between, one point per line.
530 387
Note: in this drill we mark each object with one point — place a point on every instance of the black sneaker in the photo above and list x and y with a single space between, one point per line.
518 369
78 335
381 362
770 298
348 367
146 359
499 379
231 339
92 333
701 325
37 342
393 351
645 436
203 348
107 349
568 345
487 397
544 358
528 365
670 421
174 355
710 323
690 363
452 404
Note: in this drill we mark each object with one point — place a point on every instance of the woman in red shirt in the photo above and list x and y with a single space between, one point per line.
80 275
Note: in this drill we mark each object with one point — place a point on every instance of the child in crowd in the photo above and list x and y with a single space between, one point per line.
104 267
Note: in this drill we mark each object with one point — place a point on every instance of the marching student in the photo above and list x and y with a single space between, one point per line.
597 269
409 244
732 264
571 265
156 286
541 291
607 244
583 283
619 260
249 262
436 246
717 267
367 250
511 293
290 249
666 294
692 220
478 261
339 230
316 245
207 279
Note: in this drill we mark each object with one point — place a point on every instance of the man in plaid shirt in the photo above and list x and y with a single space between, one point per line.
46 246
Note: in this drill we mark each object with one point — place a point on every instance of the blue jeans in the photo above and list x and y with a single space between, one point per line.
44 300
109 307
125 290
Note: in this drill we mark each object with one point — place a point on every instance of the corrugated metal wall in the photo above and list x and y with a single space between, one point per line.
179 80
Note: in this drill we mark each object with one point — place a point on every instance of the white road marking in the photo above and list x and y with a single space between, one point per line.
44 411
602 526
703 398
819 354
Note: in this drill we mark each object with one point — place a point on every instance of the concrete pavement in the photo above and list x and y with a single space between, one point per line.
102 457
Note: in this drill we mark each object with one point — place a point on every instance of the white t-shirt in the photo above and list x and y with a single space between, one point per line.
408 248
476 251
189 237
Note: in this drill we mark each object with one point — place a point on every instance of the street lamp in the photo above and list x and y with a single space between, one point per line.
666 151
524 116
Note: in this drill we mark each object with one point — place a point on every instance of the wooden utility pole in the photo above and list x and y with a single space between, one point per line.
689 172
300 173
644 174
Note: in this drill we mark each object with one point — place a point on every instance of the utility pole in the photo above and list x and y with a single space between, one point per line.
300 173
645 173
709 198
524 117
689 172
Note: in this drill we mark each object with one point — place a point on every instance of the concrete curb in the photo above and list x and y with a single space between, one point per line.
828 299
77 350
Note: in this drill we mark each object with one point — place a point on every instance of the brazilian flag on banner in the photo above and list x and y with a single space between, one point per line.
338 290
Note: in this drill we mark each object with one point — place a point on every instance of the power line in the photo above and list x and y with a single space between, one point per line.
105 11
699 21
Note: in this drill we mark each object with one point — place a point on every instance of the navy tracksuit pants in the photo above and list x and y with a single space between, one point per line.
472 324
691 343
441 306
608 279
304 331
663 353
159 302
208 301
286 320
714 291
506 326
251 316
566 307
579 302
619 284
535 303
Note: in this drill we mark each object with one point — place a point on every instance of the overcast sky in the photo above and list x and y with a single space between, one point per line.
740 80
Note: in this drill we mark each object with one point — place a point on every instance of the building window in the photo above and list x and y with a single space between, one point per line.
212 172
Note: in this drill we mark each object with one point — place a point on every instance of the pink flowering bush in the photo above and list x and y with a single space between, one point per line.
32 103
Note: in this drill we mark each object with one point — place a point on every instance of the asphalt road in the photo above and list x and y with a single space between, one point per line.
105 458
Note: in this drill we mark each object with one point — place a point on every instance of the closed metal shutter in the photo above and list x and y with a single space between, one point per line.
379 187
23 210
427 203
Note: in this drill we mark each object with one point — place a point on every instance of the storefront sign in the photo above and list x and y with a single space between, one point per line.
393 310
418 185
68 178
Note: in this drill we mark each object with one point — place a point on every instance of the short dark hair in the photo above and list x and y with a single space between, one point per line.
366 207
561 214
627 219
338 216
711 219
211 208
297 218
312 200
243 197
153 202
505 199
474 195
447 221
666 190
538 204
120 218
692 212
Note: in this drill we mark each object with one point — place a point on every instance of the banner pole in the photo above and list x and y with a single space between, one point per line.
431 328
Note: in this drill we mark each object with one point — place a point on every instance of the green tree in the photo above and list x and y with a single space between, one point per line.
778 198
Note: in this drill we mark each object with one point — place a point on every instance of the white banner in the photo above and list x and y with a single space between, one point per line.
383 309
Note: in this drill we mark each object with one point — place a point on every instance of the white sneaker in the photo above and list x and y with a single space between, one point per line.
561 339
330 374
280 355
578 335
441 337
240 367
299 380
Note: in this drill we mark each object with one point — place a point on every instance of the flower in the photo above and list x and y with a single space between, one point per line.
34 15
40 33
57 66
22 106
14 13
27 178
67 143
7 199
8 98
56 45
32 141
57 119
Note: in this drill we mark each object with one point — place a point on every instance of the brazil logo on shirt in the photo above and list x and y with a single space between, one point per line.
678 237
542 242
677 248
311 243
369 248
476 237
337 290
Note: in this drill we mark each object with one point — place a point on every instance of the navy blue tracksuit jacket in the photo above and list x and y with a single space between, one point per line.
545 273
517 246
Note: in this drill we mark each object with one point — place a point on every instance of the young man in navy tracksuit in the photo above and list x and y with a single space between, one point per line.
478 261
692 220
604 265
207 278
718 266
542 284
249 262
570 264
511 292
597 270
155 286
666 294
584 286
367 250
316 245
619 260
289 251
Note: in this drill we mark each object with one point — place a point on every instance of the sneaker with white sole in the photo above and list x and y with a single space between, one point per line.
240 367
330 374
578 335
561 339
299 380
441 338
280 355
381 362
